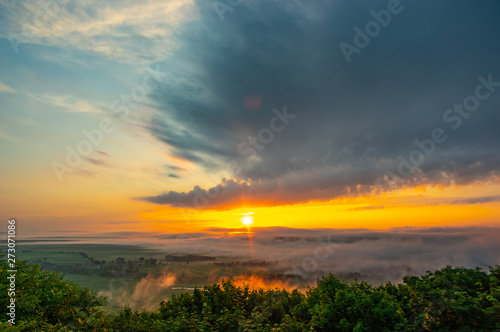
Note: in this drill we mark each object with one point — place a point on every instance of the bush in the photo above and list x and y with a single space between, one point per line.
450 299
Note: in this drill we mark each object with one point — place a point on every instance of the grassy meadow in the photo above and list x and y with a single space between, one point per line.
132 281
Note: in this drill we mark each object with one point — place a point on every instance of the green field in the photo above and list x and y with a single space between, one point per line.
132 283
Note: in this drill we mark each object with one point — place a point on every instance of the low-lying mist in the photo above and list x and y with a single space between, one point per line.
298 257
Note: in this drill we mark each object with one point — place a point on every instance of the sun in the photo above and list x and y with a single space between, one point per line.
247 220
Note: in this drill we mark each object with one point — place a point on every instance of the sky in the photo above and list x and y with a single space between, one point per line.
174 117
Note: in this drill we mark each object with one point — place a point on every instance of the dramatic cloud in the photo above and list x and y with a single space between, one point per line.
230 191
352 122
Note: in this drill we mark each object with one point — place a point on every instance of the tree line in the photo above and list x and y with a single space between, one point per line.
449 299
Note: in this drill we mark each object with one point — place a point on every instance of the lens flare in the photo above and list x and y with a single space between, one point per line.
247 220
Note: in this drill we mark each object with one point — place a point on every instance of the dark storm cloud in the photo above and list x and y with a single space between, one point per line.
258 192
353 120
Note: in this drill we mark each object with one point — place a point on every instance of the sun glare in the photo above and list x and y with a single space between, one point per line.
247 220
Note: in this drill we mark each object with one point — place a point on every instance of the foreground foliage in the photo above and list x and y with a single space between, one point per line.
450 299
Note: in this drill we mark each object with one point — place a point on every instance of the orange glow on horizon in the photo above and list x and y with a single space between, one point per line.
417 207
99 209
